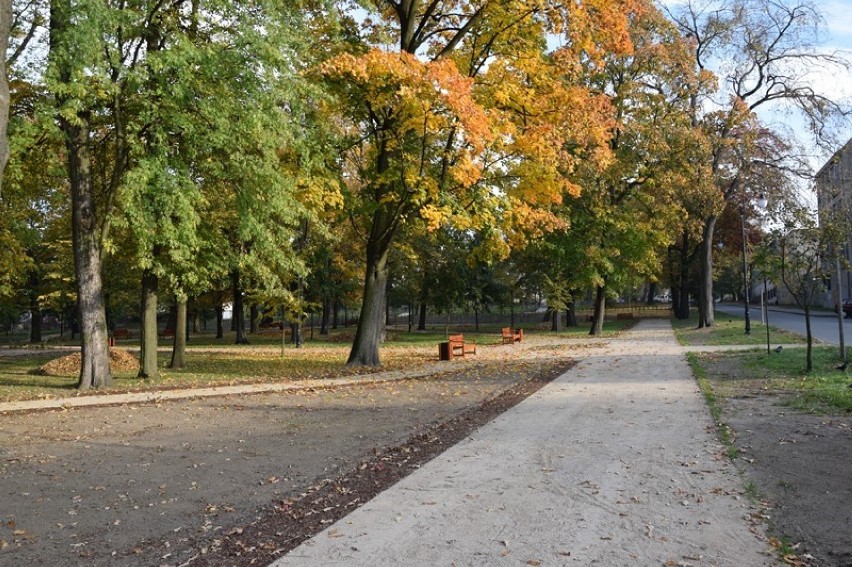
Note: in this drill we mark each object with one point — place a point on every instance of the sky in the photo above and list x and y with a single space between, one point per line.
833 82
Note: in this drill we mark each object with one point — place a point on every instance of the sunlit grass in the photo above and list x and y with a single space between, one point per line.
823 390
729 330
210 361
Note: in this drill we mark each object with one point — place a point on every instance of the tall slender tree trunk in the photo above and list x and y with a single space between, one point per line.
148 350
600 308
253 318
652 292
327 304
421 316
220 321
554 321
239 318
706 314
94 351
571 315
335 314
5 30
179 346
35 308
810 337
683 290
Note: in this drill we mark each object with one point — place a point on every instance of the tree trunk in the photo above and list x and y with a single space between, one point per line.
35 308
706 315
554 321
326 315
194 320
600 307
5 29
94 368
220 321
296 332
368 335
253 318
148 349
571 315
179 347
809 334
94 351
239 319
335 314
421 316
683 290
652 292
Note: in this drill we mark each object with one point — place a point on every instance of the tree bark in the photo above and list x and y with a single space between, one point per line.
368 335
238 321
706 315
220 321
35 308
253 318
554 321
326 315
421 316
179 345
810 337
571 315
652 292
5 30
148 350
600 307
94 349
335 314
683 289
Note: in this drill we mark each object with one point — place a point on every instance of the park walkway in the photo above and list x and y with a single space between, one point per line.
614 463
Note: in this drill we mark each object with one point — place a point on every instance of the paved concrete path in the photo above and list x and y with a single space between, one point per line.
614 463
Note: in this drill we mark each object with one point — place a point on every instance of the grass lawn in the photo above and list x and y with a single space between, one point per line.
823 390
211 361
730 330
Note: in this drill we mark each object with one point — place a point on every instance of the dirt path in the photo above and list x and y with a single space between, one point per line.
614 463
150 484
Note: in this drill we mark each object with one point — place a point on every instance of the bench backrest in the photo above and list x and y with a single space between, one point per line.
456 338
507 331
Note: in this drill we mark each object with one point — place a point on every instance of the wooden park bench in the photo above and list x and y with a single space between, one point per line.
511 337
167 332
460 348
122 334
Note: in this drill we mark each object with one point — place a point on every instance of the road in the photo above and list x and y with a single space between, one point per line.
823 325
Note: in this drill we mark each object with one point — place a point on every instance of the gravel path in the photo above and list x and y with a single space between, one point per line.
613 463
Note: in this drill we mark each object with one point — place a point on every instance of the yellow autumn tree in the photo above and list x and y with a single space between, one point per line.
454 123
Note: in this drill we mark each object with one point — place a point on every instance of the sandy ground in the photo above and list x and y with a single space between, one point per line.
615 463
142 484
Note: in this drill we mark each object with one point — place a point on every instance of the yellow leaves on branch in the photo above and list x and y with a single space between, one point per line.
426 98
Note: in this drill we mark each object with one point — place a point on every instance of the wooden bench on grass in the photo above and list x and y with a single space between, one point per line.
511 337
460 348
167 333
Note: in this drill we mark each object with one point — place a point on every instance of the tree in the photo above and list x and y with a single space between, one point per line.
419 132
768 47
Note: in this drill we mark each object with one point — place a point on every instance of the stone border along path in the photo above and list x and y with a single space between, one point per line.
613 463
155 396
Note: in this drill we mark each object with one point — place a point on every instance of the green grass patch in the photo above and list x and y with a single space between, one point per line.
824 390
729 330
726 435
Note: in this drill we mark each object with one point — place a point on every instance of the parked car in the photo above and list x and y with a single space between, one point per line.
847 306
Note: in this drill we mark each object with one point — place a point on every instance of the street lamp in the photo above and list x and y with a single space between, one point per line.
761 203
